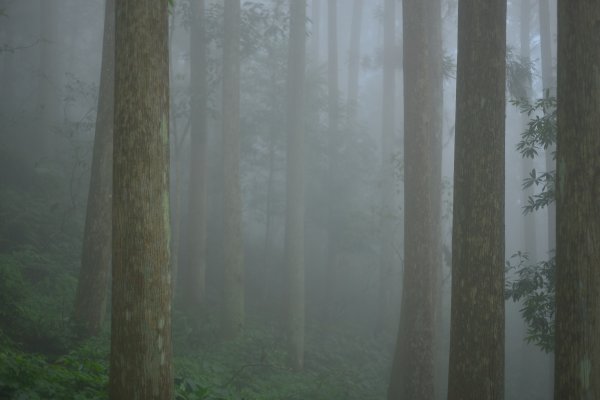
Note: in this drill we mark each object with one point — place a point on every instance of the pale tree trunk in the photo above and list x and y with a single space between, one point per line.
549 84
333 111
194 282
477 316
577 366
94 275
387 276
316 30
48 97
141 349
233 263
529 231
354 58
413 367
294 221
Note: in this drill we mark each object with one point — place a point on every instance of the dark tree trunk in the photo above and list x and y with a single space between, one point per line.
354 58
233 274
577 366
141 350
477 316
413 368
92 288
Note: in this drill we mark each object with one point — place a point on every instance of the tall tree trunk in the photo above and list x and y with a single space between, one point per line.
141 350
386 273
548 82
354 58
477 316
196 260
413 368
92 287
577 366
233 285
529 231
333 111
294 221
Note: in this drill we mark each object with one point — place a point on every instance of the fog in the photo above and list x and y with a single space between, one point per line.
350 274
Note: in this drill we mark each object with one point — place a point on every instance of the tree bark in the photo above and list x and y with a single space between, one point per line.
94 275
197 221
413 368
141 350
477 316
577 365
294 222
233 285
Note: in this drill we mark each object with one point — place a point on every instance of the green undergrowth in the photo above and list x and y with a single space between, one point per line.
337 366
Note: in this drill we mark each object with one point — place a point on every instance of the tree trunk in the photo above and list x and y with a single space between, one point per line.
141 350
294 221
333 111
477 316
548 82
354 59
577 366
413 368
92 287
316 30
196 260
233 285
386 274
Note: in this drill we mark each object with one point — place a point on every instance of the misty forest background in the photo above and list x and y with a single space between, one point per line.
266 191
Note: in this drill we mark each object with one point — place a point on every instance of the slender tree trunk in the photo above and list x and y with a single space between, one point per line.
141 350
196 262
94 275
477 316
577 366
316 30
233 288
387 281
549 84
294 221
354 58
413 368
333 98
529 231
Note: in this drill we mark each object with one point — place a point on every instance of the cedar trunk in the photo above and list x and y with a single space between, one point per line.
413 368
141 350
477 316
577 365
92 287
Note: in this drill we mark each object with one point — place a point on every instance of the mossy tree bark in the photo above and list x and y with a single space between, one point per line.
477 316
294 221
141 350
413 367
94 275
577 362
233 285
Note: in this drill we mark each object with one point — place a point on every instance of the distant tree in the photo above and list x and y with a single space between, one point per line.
194 281
141 350
294 221
92 287
413 367
233 285
477 316
316 29
354 57
388 133
577 362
